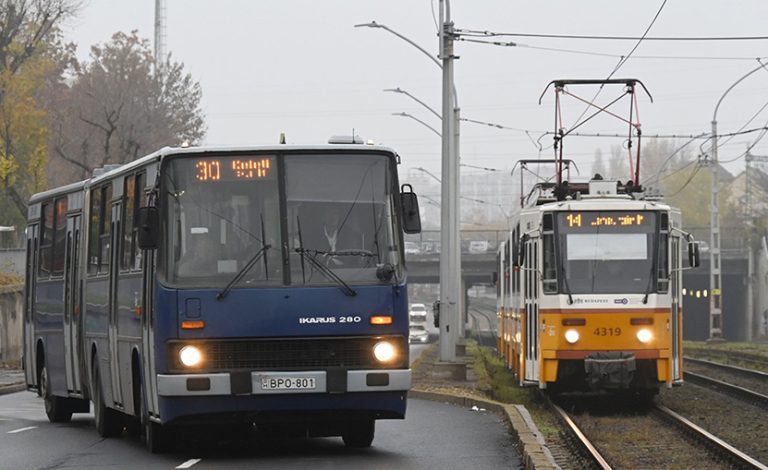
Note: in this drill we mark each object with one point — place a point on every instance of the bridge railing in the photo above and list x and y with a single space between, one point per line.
485 241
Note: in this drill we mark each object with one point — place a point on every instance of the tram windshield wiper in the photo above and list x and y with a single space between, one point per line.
565 283
310 256
251 262
650 281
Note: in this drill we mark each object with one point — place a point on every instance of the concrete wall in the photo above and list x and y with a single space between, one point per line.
12 260
11 323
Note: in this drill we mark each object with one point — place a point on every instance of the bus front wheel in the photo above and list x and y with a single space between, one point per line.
156 438
359 434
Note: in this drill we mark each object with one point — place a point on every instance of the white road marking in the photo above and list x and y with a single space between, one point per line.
189 463
22 429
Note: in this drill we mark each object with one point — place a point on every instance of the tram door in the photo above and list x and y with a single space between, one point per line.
531 300
674 289
72 305
29 310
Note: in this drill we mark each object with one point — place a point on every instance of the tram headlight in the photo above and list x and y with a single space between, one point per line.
644 335
572 336
190 356
384 351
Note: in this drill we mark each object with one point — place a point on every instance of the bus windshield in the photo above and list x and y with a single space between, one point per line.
222 211
340 213
606 252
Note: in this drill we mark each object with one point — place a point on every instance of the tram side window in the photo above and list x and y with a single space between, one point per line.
663 263
130 256
46 242
549 281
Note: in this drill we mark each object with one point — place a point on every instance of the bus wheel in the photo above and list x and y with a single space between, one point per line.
108 421
155 437
359 434
56 408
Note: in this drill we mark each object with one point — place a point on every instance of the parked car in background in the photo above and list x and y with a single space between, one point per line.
417 333
478 246
417 313
412 248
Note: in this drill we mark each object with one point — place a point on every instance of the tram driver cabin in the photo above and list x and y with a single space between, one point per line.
260 286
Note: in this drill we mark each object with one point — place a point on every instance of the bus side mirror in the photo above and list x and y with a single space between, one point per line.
410 210
495 278
149 228
693 254
436 313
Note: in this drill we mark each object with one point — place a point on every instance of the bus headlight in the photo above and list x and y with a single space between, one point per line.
644 335
572 336
383 351
190 356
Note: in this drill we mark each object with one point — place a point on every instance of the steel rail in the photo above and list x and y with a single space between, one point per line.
741 393
734 369
586 444
726 450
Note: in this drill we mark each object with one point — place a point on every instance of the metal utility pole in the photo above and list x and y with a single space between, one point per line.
160 25
715 286
715 293
450 251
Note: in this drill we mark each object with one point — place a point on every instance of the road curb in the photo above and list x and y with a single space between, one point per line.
13 388
536 456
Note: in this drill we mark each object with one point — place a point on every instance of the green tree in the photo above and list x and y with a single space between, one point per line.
118 108
29 39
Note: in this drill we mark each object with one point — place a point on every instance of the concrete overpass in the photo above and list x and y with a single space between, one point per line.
475 268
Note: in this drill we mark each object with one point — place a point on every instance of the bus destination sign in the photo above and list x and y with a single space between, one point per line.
234 169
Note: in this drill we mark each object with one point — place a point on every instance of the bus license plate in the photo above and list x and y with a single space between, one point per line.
288 383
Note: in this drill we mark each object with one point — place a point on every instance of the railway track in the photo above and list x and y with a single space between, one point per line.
615 437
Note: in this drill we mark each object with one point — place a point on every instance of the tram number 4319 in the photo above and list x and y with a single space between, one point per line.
607 332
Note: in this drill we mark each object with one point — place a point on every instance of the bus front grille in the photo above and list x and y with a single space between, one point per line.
287 354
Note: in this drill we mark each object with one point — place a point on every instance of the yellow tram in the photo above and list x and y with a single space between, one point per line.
589 290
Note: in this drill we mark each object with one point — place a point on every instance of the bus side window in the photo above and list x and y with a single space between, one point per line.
46 242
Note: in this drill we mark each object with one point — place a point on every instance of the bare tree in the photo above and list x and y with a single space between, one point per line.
118 109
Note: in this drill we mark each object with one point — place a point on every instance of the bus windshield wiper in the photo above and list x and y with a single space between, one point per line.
309 255
262 251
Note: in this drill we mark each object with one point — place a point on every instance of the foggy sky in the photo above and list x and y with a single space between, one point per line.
300 67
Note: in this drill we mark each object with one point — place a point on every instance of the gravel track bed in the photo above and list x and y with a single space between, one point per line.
742 425
749 360
754 384
640 440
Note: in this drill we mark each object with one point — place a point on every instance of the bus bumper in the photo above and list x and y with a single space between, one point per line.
282 383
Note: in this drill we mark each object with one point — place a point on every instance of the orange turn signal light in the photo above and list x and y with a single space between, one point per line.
192 324
381 320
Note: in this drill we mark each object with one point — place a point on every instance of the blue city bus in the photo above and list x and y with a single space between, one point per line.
259 287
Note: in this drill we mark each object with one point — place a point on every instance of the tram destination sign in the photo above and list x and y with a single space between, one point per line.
592 219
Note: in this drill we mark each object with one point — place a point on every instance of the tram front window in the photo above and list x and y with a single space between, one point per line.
607 252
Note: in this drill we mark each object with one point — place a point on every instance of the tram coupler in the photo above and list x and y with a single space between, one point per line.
609 370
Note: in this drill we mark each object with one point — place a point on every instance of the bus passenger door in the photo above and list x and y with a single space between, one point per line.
72 305
148 332
674 291
114 267
530 296
29 310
